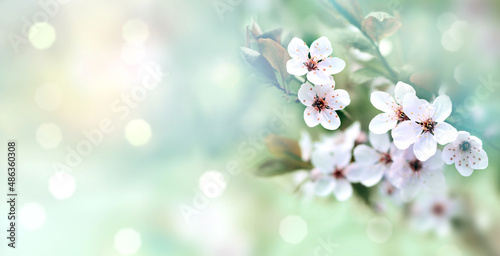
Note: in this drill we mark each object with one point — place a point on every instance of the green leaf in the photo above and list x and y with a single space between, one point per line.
280 146
364 75
280 166
257 61
353 38
276 55
379 25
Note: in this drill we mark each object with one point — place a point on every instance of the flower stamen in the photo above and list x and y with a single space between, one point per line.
338 173
428 126
320 104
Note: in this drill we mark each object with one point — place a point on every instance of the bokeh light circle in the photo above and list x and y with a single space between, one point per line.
379 230
135 31
293 229
48 135
62 185
138 132
32 216
127 241
42 35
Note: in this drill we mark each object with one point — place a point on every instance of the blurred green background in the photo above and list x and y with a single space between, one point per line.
69 68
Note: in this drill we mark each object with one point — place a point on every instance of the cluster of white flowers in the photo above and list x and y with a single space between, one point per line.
411 163
321 100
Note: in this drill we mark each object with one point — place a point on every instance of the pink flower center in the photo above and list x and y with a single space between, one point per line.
311 64
385 158
401 115
338 173
438 209
320 104
428 126
415 165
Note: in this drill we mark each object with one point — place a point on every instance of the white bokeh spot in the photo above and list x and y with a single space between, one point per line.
293 229
379 230
62 185
42 35
135 31
127 241
138 132
32 216
49 135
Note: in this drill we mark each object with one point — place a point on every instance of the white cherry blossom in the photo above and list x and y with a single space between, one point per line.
467 153
336 175
321 101
376 161
340 141
426 126
392 108
414 175
315 62
434 212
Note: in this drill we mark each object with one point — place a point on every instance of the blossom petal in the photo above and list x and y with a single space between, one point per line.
445 133
339 99
323 161
442 107
355 171
306 94
329 119
298 49
373 175
366 155
311 116
451 154
332 65
318 77
383 101
435 162
382 123
305 143
321 48
405 134
478 158
415 108
342 190
475 141
380 142
434 180
410 188
296 67
425 147
464 170
324 186
401 90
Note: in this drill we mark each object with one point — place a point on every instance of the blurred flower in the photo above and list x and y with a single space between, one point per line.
426 126
377 161
467 153
387 189
434 212
393 109
315 62
340 144
412 174
322 101
336 175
